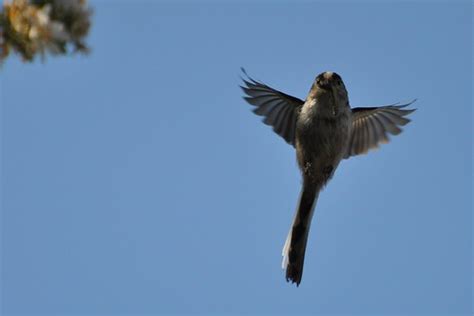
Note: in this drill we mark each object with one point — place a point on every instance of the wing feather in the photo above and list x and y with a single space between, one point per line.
371 125
278 109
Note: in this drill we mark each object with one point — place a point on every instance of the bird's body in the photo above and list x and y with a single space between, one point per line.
324 130
322 134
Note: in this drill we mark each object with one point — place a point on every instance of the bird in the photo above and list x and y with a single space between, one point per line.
324 130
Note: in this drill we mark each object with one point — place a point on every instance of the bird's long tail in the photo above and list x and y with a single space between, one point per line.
295 245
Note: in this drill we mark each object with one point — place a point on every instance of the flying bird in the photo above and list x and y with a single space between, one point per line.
323 129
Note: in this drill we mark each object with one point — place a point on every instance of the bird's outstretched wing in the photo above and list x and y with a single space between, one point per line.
370 126
279 109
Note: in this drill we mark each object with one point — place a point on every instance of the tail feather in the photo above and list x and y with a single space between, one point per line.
295 245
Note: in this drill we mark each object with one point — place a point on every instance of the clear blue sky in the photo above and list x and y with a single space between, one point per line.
137 181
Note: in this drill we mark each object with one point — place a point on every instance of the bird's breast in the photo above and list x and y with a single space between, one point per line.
321 138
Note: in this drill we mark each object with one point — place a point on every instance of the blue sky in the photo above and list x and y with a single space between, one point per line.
137 181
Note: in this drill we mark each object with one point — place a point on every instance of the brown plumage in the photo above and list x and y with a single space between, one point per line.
324 130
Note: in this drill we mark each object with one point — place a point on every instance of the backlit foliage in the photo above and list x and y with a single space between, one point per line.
37 27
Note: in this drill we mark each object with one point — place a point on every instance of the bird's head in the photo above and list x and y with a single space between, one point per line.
328 80
329 88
